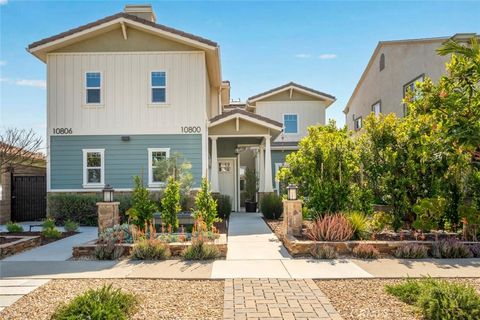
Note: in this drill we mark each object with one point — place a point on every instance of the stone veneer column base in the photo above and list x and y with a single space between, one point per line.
108 215
292 217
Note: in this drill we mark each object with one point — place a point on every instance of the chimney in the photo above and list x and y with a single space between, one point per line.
143 11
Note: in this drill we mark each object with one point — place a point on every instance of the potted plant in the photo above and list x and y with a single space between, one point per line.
250 190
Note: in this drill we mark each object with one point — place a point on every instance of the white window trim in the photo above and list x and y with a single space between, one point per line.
151 87
355 123
102 169
379 103
298 123
152 184
85 103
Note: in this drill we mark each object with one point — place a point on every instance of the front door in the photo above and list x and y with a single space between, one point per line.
226 179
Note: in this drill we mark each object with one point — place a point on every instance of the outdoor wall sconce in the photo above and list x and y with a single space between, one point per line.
292 192
125 138
108 193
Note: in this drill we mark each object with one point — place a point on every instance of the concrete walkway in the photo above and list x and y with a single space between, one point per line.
12 290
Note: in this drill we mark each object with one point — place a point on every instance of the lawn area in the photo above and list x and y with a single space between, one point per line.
367 299
159 299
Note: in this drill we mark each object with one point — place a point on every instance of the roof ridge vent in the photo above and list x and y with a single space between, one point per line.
143 11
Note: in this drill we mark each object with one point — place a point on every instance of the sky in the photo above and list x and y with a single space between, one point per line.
264 44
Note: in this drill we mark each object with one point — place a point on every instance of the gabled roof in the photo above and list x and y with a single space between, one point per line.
248 116
295 86
458 36
125 16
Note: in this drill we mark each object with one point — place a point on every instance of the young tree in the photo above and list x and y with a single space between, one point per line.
18 147
206 206
178 168
143 207
171 204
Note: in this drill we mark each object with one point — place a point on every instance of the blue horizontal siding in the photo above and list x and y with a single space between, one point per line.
123 160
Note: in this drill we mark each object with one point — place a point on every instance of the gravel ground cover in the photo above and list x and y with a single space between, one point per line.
367 299
159 299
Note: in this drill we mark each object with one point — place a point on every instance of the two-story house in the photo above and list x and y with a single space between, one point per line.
393 69
124 92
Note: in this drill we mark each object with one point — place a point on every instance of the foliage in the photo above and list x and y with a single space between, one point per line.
18 147
271 206
206 206
365 251
324 252
75 207
143 207
324 167
475 250
470 215
439 299
70 226
105 303
429 213
14 227
178 168
450 249
171 204
411 251
49 230
48 223
360 225
224 206
251 181
119 234
381 221
200 250
151 249
330 228
109 250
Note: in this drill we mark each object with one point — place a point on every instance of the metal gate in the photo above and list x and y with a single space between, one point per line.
29 198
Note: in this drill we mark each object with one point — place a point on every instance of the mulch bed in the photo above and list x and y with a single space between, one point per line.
367 299
44 240
158 299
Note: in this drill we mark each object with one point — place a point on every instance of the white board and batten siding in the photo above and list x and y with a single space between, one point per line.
126 107
309 113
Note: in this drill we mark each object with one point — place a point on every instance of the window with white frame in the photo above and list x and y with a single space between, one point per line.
358 123
93 167
158 85
156 157
93 88
377 108
410 87
290 123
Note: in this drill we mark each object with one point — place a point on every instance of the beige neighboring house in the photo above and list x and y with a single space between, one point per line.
395 67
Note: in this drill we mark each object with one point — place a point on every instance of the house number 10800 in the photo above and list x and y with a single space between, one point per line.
191 129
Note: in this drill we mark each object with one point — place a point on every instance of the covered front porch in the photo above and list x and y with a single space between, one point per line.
238 140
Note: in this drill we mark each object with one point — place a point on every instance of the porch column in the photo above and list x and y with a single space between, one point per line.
261 180
268 166
214 170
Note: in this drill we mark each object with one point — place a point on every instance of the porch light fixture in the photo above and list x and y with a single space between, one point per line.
108 193
292 192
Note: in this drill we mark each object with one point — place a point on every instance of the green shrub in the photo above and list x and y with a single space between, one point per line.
411 251
439 299
450 249
101 304
143 207
171 204
224 206
80 208
70 226
48 223
200 250
475 249
429 212
206 206
151 249
14 227
365 251
52 233
360 225
271 206
324 252
125 203
381 221
330 228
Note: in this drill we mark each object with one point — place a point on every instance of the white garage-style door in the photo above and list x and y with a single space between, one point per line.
227 179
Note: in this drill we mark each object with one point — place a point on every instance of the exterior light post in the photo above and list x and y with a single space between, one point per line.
292 212
108 192
292 191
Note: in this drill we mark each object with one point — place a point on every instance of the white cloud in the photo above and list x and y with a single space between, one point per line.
327 56
2 2
31 83
2 62
302 55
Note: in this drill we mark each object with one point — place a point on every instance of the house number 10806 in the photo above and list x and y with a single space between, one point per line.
62 131
191 129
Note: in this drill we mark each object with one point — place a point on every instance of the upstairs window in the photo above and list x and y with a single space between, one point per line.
157 169
93 86
158 84
290 123
382 62
358 123
377 108
410 87
93 167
